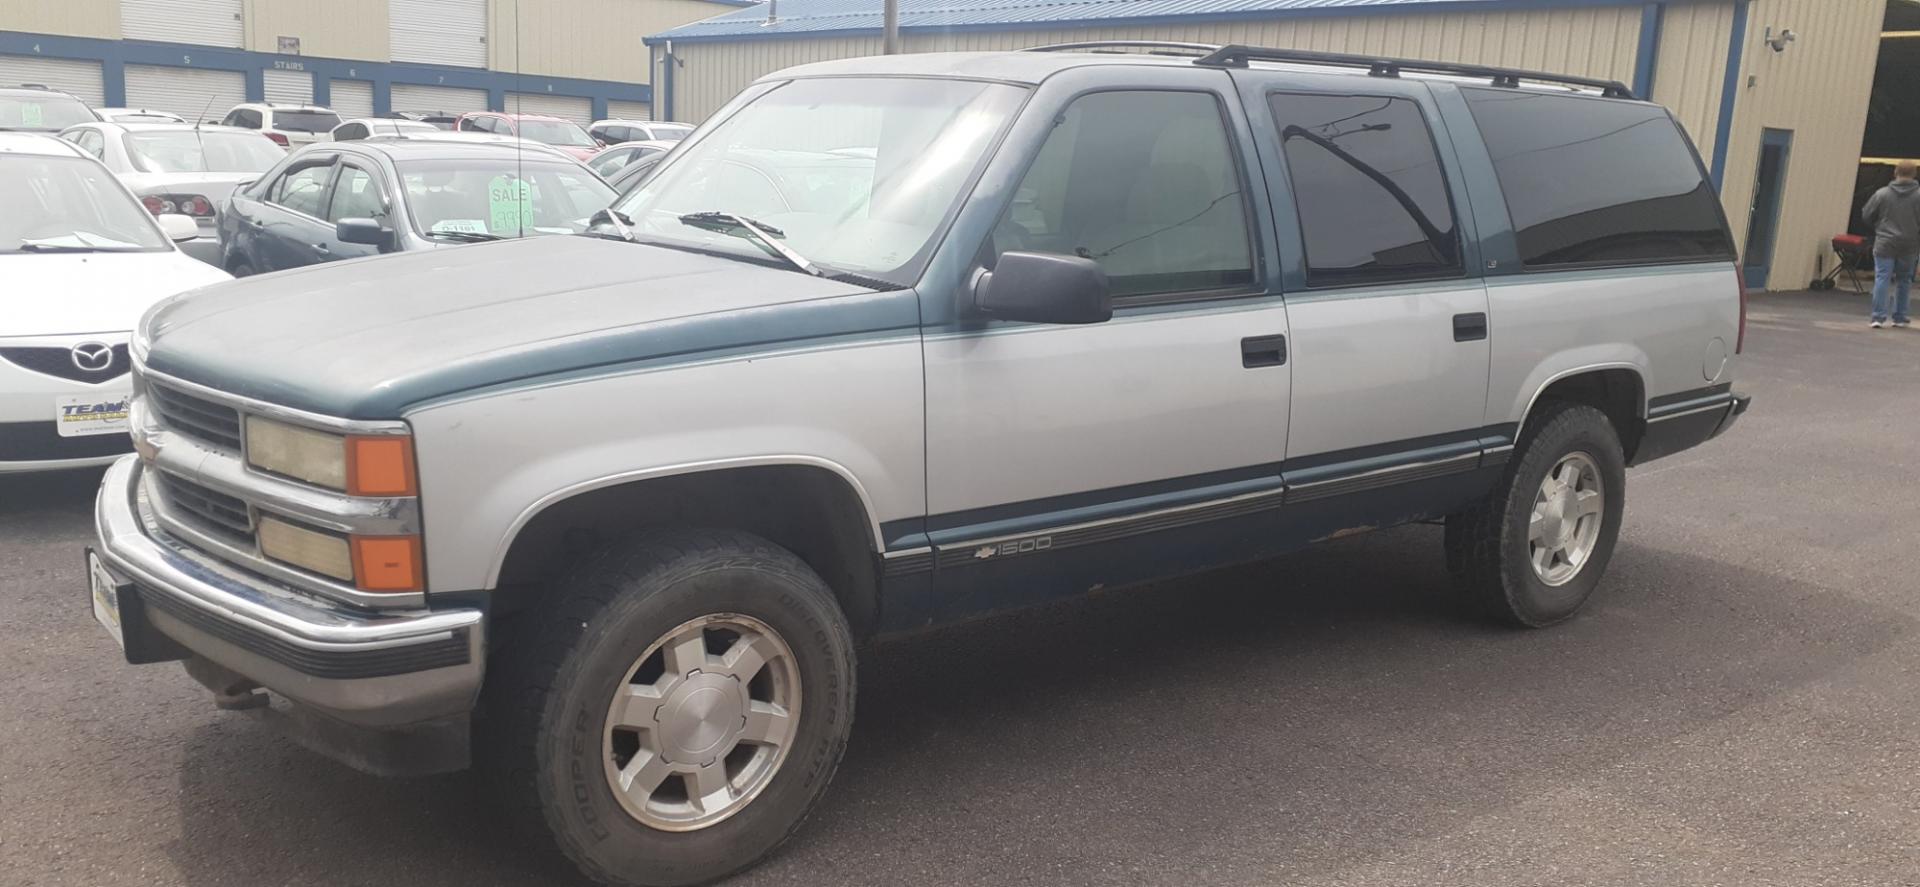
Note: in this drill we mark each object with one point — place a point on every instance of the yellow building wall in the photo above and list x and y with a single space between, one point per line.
70 18
591 39
343 29
1691 66
1817 88
1598 42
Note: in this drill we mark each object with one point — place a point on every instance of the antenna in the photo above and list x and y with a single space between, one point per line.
519 129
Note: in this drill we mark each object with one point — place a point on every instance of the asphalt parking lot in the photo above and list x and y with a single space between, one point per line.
1739 706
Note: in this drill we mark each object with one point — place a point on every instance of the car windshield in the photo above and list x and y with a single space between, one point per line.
859 174
305 121
51 112
555 132
461 199
188 150
669 133
70 204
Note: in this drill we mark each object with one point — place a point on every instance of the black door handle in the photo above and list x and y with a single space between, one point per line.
1263 351
1470 327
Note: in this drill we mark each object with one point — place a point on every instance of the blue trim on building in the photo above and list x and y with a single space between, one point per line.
115 55
1729 93
746 24
1646 60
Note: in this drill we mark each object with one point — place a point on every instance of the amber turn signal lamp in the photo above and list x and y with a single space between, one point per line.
380 466
387 563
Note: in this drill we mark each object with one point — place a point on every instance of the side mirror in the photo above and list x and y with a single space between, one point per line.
178 227
365 231
599 142
1044 288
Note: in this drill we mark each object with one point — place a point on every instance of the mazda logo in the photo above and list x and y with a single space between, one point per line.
93 357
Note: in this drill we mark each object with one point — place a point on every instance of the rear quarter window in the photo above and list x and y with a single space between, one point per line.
1593 182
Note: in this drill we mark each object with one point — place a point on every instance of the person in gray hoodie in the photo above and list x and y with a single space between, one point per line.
1893 213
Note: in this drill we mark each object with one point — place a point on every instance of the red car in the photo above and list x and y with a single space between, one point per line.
564 134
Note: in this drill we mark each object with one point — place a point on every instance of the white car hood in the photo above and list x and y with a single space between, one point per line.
51 294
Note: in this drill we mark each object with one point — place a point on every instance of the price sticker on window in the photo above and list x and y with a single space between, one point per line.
509 206
31 115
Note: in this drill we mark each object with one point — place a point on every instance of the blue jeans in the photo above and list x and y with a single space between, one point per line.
1895 275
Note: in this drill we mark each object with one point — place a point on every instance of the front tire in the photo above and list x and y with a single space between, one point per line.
676 710
1533 551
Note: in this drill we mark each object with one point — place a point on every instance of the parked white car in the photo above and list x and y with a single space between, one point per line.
369 127
180 168
287 125
138 115
82 261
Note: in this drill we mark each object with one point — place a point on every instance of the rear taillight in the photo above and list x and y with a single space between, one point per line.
185 204
1740 281
277 138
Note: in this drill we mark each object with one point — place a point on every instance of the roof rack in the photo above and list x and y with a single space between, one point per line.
1237 56
1147 47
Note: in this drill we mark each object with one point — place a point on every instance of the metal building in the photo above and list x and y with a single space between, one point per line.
1779 121
581 59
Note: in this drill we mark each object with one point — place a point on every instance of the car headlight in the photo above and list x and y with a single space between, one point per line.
323 553
301 453
357 464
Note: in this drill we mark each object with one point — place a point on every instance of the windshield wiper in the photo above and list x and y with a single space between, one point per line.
41 246
466 236
614 219
734 223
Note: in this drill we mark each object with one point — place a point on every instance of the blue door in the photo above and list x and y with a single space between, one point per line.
1763 224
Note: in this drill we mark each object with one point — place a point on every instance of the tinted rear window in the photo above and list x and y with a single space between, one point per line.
1593 181
305 121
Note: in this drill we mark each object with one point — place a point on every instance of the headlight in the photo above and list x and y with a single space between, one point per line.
313 456
360 465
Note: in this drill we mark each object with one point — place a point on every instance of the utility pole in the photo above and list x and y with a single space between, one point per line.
892 27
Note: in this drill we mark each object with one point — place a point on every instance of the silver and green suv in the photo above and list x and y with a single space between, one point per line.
891 342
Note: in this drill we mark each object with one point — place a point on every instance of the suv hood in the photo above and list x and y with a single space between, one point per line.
368 338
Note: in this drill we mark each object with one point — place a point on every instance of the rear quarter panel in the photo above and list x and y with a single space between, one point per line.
1664 322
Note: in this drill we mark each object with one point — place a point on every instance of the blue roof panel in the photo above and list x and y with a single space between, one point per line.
814 17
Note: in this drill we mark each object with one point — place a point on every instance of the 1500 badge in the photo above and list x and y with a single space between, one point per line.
1014 546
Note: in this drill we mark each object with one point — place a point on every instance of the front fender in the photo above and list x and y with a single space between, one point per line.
489 463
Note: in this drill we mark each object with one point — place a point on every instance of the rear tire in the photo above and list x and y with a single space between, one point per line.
1533 551
625 676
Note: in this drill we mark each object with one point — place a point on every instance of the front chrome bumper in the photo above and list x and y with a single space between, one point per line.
389 668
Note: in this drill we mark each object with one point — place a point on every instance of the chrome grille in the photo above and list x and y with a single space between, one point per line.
196 417
209 511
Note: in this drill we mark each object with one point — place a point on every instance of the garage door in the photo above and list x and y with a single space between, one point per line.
629 111
199 22
416 97
353 98
288 87
574 108
193 93
80 78
438 32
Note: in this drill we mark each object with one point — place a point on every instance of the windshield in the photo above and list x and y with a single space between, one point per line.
51 112
555 132
669 133
70 203
860 174
457 198
305 121
186 150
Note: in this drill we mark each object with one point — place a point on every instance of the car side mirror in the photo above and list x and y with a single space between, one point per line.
366 231
178 227
1044 288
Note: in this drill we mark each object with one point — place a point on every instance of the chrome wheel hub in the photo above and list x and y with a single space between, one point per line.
1565 524
702 722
